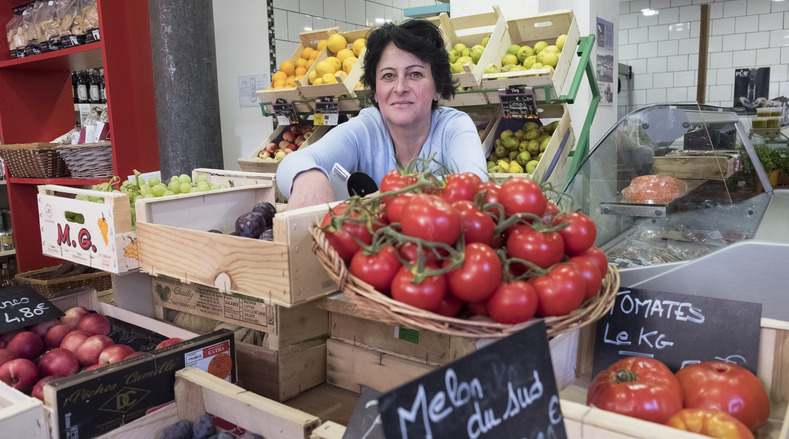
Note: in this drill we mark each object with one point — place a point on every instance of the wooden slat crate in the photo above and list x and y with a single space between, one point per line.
717 166
198 392
529 30
21 416
282 272
343 87
572 361
255 164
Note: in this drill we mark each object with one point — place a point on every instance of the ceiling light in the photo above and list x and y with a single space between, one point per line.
649 12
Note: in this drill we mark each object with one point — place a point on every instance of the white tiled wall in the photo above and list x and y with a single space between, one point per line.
292 17
663 49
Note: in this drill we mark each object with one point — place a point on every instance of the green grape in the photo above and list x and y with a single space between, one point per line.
183 178
201 177
186 188
82 197
158 190
148 196
174 187
175 178
154 181
168 192
203 186
145 190
222 186
127 184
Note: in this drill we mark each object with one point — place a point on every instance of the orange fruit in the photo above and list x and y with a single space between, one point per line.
314 54
305 54
277 76
280 83
322 44
288 67
290 82
301 62
309 63
300 71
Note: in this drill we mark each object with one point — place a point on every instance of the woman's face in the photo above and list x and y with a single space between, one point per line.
404 87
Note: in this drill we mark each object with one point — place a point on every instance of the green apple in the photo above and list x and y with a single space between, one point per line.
453 56
492 68
524 52
501 151
534 147
513 49
531 166
485 40
523 158
528 126
529 61
519 134
476 54
538 46
460 47
536 66
509 59
560 41
544 144
532 134
463 60
506 68
506 133
517 68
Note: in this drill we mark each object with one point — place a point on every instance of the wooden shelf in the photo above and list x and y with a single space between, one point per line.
74 58
7 253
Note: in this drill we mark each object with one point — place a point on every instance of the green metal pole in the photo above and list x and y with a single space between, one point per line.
584 66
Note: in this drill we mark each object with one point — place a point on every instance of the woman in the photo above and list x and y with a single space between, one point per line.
407 70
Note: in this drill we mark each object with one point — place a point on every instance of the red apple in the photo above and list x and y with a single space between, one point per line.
74 339
26 344
169 342
115 353
55 335
20 374
287 135
95 324
59 362
284 144
271 147
74 315
134 354
42 328
90 349
94 367
6 356
7 336
38 389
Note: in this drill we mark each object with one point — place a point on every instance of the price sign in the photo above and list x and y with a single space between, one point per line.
504 390
22 306
678 330
365 422
518 104
327 111
285 112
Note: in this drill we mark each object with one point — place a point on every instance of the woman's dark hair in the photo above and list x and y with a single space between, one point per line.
419 37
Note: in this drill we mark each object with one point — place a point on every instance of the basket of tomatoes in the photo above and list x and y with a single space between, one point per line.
459 256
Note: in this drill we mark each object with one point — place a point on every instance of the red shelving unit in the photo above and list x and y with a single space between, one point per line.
36 105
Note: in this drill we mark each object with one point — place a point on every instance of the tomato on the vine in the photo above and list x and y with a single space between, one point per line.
478 308
513 303
551 212
461 186
377 269
450 306
521 195
431 218
589 271
394 181
540 248
426 295
394 207
643 388
490 195
560 291
580 233
343 240
710 423
717 385
477 226
598 258
409 251
478 276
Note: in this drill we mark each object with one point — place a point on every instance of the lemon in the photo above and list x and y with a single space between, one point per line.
324 67
329 78
524 52
311 77
321 45
460 47
560 41
335 61
358 45
485 40
529 61
509 59
318 81
536 66
538 46
343 54
549 58
336 43
348 64
341 75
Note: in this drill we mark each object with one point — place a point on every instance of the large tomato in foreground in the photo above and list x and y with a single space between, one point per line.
710 423
431 218
580 233
394 181
521 195
478 276
643 388
477 226
560 291
461 186
542 249
426 295
513 303
717 385
342 240
376 269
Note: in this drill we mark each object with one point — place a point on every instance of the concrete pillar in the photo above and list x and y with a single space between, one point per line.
184 75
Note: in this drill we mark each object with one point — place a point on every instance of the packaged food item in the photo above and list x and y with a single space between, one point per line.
47 27
72 28
654 189
90 14
14 33
26 31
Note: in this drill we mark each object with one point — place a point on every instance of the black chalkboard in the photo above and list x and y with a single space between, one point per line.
365 422
504 390
678 329
22 306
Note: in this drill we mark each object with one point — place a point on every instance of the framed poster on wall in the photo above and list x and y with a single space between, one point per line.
751 88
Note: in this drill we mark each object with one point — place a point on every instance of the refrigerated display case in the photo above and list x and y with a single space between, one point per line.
696 225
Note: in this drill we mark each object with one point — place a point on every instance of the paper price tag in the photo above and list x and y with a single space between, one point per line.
285 112
327 111
518 104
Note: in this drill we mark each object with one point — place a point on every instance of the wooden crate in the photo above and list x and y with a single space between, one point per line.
529 30
255 164
21 416
290 94
470 30
282 272
343 87
554 165
572 362
282 374
714 166
198 392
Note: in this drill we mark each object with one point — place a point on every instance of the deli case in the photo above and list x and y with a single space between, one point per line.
682 204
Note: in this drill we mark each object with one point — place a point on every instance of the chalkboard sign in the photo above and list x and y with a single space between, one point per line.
504 390
327 111
285 112
365 422
516 104
678 330
22 306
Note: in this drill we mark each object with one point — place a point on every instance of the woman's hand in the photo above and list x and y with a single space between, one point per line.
310 188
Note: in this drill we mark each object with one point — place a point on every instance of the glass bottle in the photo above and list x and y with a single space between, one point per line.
82 87
102 87
74 87
5 276
94 91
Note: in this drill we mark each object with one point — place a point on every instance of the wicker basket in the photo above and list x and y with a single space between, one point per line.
34 160
376 306
88 160
50 288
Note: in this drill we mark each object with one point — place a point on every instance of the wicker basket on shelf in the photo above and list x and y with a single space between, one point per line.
374 305
34 160
88 160
49 287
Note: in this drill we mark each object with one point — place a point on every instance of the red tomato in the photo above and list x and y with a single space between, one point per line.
394 207
394 181
431 218
717 385
426 295
478 277
462 186
376 269
598 258
476 225
491 192
551 212
521 195
478 308
643 388
580 233
540 248
710 423
409 251
513 303
560 291
343 240
450 306
592 279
